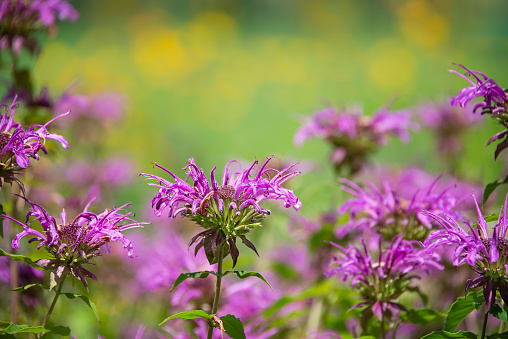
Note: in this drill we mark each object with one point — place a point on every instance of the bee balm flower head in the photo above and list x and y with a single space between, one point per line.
226 211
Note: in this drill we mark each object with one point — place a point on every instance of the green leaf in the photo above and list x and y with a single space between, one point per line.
4 325
87 301
21 258
233 326
64 331
446 334
10 328
189 315
13 329
499 313
489 189
26 287
184 276
459 310
52 280
421 317
246 274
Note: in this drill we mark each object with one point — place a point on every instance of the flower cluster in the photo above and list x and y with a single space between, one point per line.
74 243
486 255
353 135
380 282
17 145
227 211
20 18
389 213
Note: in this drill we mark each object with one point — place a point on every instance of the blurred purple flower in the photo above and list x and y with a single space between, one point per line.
77 104
390 213
74 243
353 135
18 145
448 124
26 275
231 209
408 181
160 260
381 281
104 107
486 255
324 335
115 171
19 19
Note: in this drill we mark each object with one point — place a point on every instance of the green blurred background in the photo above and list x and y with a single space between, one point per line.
218 80
222 80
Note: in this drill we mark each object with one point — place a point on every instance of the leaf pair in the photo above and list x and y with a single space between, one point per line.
203 274
7 330
233 327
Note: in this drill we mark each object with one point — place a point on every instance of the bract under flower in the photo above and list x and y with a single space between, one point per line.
227 211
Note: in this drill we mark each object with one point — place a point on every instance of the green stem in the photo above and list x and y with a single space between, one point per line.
383 334
217 288
14 281
58 292
503 324
485 323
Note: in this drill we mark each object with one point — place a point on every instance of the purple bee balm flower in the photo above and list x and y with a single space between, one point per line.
353 135
380 281
73 243
17 145
390 213
494 96
495 102
19 19
486 255
230 210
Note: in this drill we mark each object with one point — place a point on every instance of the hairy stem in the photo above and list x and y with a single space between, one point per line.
217 287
